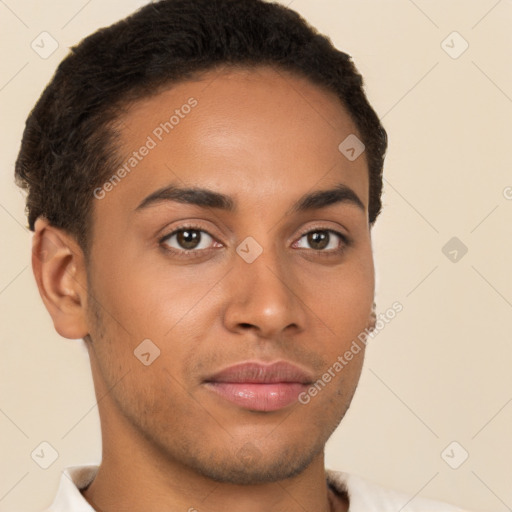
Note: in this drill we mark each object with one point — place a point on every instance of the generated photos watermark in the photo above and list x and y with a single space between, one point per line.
354 349
157 135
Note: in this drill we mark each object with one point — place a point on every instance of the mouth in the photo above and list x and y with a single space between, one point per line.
260 386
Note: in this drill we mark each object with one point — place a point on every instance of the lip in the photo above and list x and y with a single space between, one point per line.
260 386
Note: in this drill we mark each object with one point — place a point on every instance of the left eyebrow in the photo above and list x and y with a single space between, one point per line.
206 198
341 193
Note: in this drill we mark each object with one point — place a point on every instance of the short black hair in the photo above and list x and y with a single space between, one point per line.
69 142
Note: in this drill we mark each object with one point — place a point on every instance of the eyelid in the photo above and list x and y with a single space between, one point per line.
187 253
323 227
346 242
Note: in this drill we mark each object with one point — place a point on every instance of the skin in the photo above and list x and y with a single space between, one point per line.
265 138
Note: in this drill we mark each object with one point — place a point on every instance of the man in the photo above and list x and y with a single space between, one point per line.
202 182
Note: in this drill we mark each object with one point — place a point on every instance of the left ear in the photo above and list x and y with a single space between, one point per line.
58 264
373 318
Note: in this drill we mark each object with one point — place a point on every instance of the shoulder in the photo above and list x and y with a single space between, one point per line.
366 496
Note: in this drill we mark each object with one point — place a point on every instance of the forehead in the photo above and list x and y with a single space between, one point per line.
248 132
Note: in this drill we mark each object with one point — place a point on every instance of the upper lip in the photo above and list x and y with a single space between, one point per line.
252 372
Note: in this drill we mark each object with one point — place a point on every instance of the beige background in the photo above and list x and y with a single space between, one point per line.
440 371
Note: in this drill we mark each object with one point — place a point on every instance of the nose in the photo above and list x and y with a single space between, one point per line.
264 296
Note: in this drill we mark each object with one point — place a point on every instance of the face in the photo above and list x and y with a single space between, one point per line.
256 276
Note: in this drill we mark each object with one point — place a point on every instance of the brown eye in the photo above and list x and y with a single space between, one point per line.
318 239
187 239
321 239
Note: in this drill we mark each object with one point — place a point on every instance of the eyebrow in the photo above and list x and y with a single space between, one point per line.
206 198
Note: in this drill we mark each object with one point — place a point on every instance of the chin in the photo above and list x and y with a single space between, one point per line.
252 466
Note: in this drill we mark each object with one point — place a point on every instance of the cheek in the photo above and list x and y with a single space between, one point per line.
158 309
344 306
149 298
342 296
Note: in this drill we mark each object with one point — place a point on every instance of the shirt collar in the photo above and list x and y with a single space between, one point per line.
69 498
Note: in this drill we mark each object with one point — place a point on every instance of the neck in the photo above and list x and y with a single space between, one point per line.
137 485
134 475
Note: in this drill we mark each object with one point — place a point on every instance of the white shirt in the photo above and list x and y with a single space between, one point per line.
364 496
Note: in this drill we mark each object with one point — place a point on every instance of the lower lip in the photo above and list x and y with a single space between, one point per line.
259 397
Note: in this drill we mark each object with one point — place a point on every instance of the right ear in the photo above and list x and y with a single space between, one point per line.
58 264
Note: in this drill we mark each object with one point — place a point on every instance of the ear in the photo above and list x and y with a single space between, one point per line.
373 318
59 268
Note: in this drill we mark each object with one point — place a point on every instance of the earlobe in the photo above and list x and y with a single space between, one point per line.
59 269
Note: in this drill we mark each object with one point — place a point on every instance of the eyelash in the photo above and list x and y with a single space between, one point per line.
194 253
